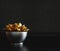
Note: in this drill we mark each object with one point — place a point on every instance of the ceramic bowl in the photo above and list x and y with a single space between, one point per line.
16 37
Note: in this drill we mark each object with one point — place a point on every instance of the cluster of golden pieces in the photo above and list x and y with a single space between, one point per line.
16 27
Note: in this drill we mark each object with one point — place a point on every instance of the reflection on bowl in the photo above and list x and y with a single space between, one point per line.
16 37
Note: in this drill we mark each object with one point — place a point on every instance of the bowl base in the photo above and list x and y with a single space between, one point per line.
17 44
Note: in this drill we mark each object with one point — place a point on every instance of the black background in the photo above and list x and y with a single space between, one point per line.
42 17
38 15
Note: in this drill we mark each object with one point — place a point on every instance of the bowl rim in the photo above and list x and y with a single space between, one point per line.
15 31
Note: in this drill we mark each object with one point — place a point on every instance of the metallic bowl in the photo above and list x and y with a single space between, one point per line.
16 37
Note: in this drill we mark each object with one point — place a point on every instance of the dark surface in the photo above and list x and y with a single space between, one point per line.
37 42
38 15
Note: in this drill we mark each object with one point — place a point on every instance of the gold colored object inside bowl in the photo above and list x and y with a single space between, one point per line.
16 27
